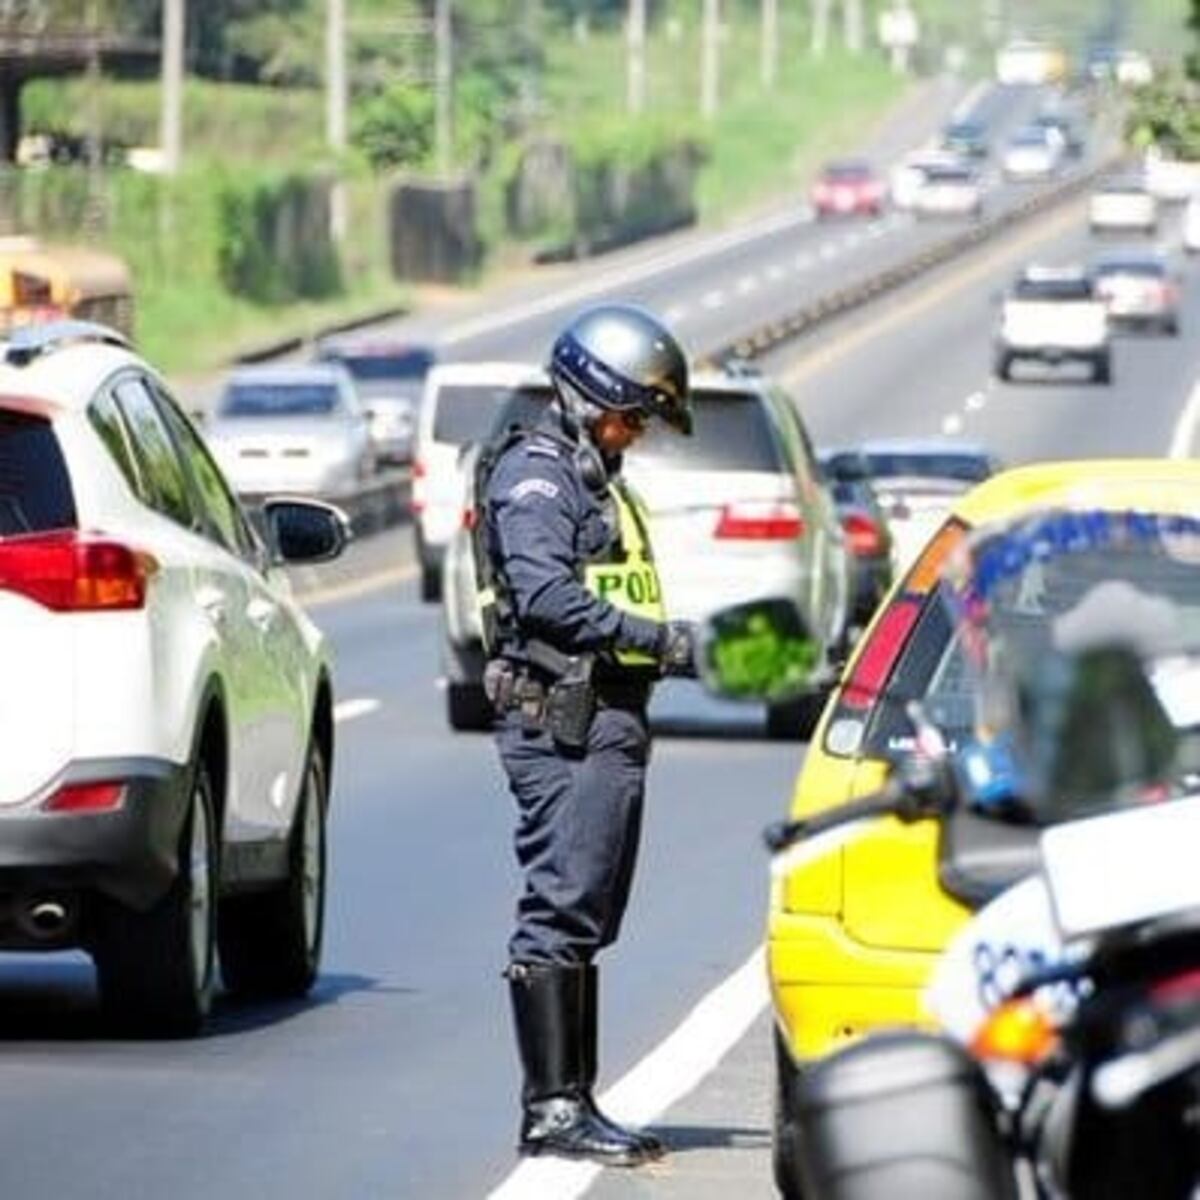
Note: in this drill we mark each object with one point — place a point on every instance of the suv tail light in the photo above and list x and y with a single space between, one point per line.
417 502
70 572
769 521
86 798
864 535
470 518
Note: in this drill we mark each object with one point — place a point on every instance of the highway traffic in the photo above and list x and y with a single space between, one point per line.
395 1077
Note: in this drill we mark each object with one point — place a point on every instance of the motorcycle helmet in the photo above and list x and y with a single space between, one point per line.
618 358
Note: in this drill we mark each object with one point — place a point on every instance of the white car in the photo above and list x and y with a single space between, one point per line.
737 512
297 429
1171 180
1025 62
948 191
1123 206
168 708
460 404
1032 153
1054 315
908 177
1133 69
1191 225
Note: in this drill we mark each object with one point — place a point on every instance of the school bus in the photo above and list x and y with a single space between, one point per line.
45 282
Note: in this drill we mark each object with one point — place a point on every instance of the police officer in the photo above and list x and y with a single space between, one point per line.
577 634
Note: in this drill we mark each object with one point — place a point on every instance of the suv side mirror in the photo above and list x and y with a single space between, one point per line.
305 531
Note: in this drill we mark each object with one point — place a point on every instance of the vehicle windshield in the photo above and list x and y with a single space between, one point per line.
969 468
410 366
279 400
848 172
1046 587
1030 137
1131 266
471 412
732 433
1053 289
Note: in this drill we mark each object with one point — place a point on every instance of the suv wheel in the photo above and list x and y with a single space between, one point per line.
795 720
468 708
1102 369
270 941
157 969
431 584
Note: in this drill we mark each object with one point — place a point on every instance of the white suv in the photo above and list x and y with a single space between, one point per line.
168 709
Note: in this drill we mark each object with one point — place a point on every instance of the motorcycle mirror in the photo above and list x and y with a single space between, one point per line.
760 650
1093 725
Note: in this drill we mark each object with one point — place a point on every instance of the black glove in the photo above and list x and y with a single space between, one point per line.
677 649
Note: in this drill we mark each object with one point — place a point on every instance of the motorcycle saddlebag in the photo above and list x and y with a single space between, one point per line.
900 1116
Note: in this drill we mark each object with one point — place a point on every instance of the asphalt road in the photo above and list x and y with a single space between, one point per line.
397 1079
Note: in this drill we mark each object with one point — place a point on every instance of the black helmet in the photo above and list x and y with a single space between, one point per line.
622 359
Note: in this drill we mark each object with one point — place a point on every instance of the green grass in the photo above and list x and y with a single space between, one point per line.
762 141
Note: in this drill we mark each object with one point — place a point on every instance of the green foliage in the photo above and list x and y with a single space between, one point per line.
395 128
1167 114
273 239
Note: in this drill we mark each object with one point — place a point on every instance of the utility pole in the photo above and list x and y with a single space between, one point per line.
710 59
770 42
443 37
852 25
171 133
337 99
820 26
635 66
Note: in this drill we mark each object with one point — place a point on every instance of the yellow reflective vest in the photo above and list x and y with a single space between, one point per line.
627 577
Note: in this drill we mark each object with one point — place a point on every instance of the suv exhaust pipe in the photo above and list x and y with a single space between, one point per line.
46 918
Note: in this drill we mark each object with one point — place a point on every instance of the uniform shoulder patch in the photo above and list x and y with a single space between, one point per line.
534 487
544 448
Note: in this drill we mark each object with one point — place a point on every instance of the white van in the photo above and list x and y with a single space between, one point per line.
459 407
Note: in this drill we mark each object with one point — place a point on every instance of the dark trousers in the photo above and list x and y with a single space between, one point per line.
578 826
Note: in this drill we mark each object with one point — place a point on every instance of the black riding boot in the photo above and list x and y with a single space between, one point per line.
591 1023
557 1116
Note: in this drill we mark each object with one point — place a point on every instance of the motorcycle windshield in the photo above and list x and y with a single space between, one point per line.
1025 600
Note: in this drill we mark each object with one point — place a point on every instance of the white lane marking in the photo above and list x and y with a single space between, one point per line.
775 273
668 1073
364 586
675 314
713 299
952 424
1185 430
646 268
975 401
963 108
348 710
746 285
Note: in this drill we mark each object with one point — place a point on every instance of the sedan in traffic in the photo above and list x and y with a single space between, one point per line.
295 429
952 190
849 188
1123 206
1031 154
1139 291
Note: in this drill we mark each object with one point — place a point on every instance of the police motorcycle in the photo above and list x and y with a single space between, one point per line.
1068 1058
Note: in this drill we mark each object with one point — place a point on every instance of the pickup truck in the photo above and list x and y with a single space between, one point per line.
1053 316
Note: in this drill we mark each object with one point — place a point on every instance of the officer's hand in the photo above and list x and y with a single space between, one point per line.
677 649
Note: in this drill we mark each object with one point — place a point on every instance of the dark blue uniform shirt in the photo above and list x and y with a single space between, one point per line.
543 525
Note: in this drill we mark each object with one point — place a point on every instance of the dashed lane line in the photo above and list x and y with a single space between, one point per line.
1183 441
713 299
348 710
667 1074
975 401
356 589
952 424
746 285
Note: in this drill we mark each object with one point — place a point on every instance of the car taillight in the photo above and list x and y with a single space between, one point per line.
759 522
86 798
71 572
865 536
1167 293
874 664
469 519
417 501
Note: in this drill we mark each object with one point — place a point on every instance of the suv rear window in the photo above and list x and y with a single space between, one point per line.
968 468
734 432
1053 289
35 488
467 413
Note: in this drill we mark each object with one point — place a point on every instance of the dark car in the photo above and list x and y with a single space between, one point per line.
389 377
967 138
865 525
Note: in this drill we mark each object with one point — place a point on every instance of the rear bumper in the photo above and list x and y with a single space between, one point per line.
1055 354
129 854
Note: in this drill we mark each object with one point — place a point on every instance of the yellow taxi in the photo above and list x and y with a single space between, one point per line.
852 936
